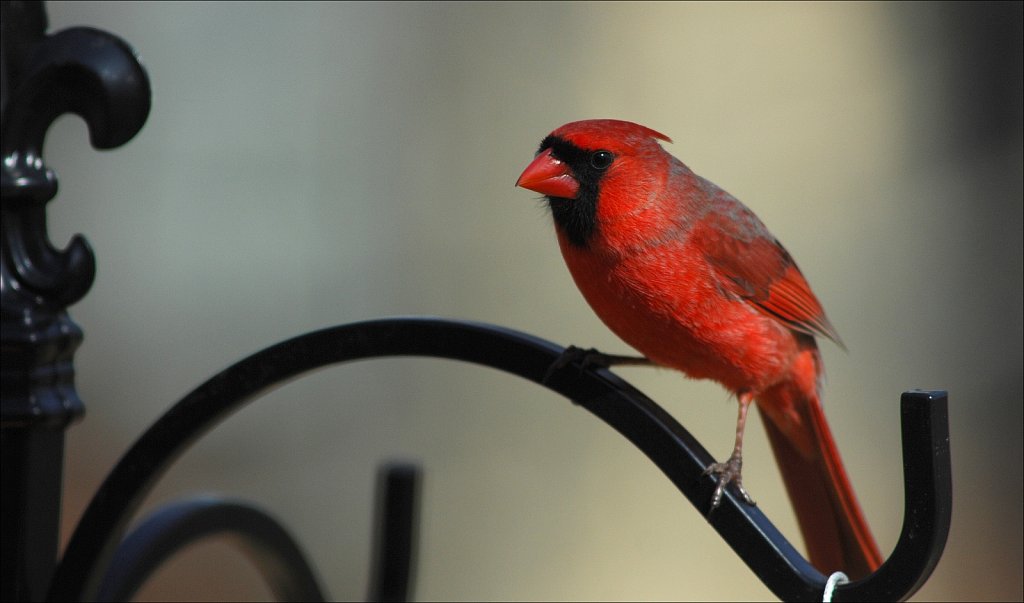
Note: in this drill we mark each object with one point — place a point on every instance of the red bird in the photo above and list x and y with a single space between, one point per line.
686 274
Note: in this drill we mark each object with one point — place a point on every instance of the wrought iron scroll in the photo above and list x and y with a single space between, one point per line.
643 422
175 526
97 76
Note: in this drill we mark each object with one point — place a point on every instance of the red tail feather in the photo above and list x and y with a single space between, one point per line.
833 527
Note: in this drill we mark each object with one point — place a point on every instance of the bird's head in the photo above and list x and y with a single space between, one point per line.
584 164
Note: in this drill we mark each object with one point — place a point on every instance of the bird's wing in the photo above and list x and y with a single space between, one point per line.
754 266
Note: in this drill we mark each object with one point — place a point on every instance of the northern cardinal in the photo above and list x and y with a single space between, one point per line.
690 277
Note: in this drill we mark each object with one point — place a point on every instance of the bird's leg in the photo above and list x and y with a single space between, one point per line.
731 470
591 357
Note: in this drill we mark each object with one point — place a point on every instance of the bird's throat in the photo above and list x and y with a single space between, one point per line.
576 218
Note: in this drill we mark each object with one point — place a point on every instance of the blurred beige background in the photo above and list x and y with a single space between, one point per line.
306 165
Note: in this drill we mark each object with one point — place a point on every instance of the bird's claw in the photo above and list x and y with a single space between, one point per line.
729 471
585 357
590 357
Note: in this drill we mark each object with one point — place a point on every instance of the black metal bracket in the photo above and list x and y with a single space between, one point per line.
643 422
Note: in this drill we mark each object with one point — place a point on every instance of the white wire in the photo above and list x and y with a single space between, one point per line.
834 580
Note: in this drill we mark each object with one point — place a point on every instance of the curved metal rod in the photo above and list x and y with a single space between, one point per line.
175 526
635 416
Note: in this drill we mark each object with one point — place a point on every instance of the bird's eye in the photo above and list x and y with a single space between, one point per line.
601 160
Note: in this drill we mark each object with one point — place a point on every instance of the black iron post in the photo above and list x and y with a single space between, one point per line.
97 76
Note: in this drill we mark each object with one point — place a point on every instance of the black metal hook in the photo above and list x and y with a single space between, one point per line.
928 503
643 422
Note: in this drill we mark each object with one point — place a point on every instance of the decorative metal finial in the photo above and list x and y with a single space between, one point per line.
97 76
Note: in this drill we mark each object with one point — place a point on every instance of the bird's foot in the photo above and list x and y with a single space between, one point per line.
729 471
587 358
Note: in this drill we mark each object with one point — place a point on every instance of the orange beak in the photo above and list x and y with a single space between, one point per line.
550 177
